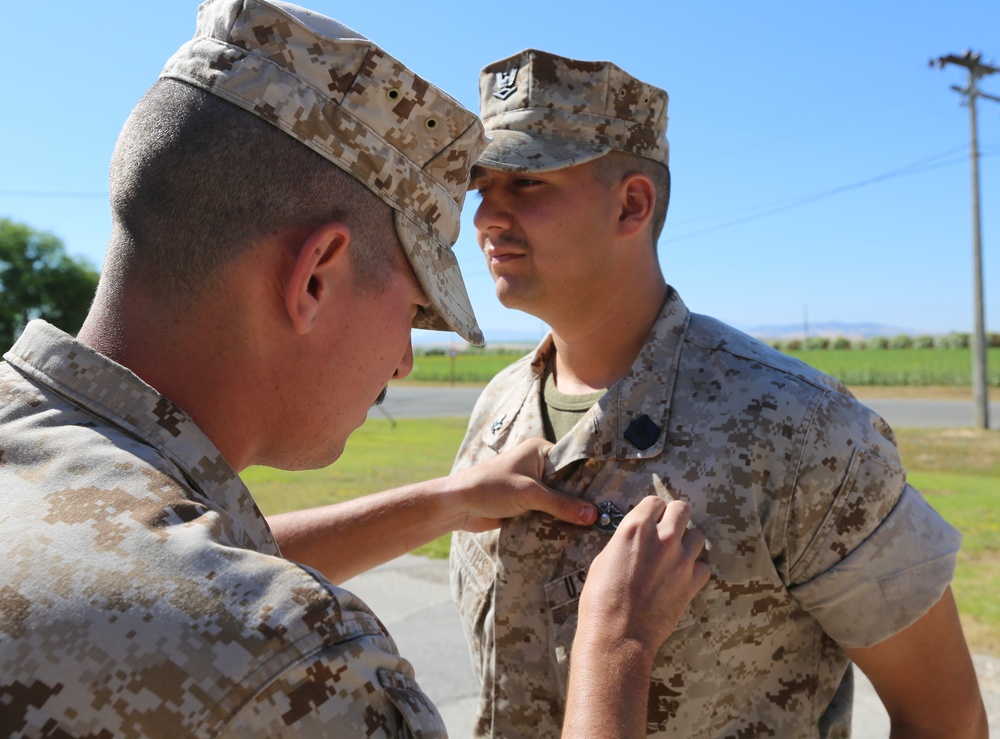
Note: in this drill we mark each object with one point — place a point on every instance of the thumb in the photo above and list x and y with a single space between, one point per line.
565 507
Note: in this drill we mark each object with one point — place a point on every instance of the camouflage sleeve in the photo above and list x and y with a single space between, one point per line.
355 688
867 556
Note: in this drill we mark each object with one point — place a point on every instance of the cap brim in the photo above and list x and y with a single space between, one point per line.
524 151
437 270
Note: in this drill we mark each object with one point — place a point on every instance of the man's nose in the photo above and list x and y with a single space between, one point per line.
493 213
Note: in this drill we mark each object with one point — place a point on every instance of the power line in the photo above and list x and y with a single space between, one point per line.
796 199
770 209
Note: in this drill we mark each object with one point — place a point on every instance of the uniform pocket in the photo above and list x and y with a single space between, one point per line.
472 583
563 599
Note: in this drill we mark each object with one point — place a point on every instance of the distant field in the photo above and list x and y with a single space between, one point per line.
467 367
957 469
917 367
885 367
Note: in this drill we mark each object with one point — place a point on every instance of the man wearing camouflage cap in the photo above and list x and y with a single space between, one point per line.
253 305
819 550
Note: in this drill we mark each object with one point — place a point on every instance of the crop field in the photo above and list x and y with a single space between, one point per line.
957 469
468 367
909 367
883 367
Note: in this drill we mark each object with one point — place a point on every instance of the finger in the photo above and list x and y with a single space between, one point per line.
562 506
650 508
529 456
541 445
675 518
542 449
700 575
646 515
694 542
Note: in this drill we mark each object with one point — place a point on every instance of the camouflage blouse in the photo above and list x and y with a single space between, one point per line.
141 591
815 540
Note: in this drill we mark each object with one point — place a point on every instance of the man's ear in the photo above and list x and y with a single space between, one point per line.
638 196
320 260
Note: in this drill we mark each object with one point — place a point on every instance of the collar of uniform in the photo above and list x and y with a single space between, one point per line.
514 406
601 434
113 393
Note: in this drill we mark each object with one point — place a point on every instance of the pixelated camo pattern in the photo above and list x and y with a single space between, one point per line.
589 104
814 538
141 591
338 93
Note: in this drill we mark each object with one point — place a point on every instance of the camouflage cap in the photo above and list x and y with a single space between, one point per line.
546 112
338 93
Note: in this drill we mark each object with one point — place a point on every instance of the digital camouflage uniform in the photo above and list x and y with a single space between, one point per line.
141 591
814 537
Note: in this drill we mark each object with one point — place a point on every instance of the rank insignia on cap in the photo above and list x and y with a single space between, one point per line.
642 433
505 84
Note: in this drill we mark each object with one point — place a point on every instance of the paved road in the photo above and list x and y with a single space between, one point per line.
408 401
412 597
905 413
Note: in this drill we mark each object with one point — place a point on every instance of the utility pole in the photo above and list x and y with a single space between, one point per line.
972 62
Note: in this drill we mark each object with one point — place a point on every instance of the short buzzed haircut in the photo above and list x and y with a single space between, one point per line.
196 181
616 165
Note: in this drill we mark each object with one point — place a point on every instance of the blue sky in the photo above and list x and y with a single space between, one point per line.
820 166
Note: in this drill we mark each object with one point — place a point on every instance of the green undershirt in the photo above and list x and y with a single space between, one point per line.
561 412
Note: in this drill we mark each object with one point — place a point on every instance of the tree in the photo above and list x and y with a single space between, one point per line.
39 280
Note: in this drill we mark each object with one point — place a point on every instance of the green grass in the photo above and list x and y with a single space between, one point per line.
972 505
969 502
958 470
377 457
909 367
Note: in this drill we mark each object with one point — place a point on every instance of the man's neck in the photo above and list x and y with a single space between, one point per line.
596 352
192 371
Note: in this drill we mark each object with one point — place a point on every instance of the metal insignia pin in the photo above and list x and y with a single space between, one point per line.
498 424
505 84
608 517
